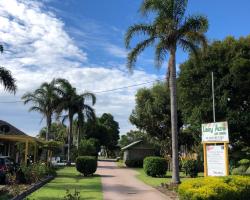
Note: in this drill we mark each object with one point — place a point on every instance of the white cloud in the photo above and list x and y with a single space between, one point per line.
116 51
37 49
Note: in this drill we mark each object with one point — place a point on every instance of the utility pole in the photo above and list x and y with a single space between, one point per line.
213 96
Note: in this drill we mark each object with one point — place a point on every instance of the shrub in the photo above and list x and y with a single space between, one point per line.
221 188
155 166
74 196
239 170
248 171
86 165
190 167
137 163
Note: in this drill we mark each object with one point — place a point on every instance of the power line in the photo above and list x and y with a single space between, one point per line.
98 92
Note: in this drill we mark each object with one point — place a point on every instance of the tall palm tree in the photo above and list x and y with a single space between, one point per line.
170 29
9 83
45 100
73 104
84 112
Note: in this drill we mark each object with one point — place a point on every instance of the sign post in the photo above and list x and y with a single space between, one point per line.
215 147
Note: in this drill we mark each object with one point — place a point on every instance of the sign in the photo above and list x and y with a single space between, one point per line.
215 132
216 160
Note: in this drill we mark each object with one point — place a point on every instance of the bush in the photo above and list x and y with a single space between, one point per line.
190 167
248 171
221 188
137 163
239 170
86 165
155 166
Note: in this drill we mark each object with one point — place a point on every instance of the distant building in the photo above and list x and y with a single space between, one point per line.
135 152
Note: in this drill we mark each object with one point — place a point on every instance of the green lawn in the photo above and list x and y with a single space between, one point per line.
157 181
69 178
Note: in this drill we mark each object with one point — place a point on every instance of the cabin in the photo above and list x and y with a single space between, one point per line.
135 153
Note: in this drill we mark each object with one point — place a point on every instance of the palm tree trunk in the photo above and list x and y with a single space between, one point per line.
48 128
70 136
173 103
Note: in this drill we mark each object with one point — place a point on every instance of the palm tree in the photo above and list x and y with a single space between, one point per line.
73 104
45 100
9 83
169 29
84 111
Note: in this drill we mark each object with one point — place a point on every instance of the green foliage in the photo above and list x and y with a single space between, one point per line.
34 172
87 148
132 136
136 163
86 165
152 115
58 130
244 162
221 188
239 170
230 61
190 167
74 196
248 171
155 166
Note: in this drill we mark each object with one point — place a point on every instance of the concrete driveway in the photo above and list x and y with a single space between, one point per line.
121 184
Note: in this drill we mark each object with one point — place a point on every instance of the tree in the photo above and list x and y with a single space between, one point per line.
107 120
230 61
132 136
152 115
58 130
6 79
45 100
73 103
170 29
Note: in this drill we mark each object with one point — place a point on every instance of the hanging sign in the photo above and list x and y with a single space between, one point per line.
215 132
216 160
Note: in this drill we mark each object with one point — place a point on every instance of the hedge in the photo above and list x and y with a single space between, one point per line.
219 188
86 165
138 163
190 167
155 166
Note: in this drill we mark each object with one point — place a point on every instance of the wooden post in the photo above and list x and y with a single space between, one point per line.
226 158
26 151
205 159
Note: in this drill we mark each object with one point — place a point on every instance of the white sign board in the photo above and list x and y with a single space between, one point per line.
216 160
215 132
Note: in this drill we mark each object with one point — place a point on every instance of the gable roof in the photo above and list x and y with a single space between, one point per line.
8 129
131 145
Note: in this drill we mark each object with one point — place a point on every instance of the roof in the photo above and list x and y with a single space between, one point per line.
131 145
7 129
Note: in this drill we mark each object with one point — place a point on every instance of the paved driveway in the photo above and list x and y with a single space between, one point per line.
121 184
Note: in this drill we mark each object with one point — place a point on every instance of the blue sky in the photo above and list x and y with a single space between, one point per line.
82 40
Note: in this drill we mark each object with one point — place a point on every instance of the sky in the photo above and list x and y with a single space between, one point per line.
83 41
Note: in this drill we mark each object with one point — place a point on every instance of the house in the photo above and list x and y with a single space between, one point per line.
11 137
135 153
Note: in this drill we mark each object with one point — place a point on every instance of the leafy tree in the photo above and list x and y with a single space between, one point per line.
58 130
45 100
169 29
6 79
230 61
132 136
152 115
107 120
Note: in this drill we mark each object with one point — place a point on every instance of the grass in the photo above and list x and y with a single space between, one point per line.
69 178
120 164
153 181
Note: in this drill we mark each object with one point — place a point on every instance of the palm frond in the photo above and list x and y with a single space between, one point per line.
194 23
160 54
1 48
133 54
9 83
137 29
189 46
89 95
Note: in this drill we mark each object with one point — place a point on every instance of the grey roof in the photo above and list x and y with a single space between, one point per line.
11 129
131 145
